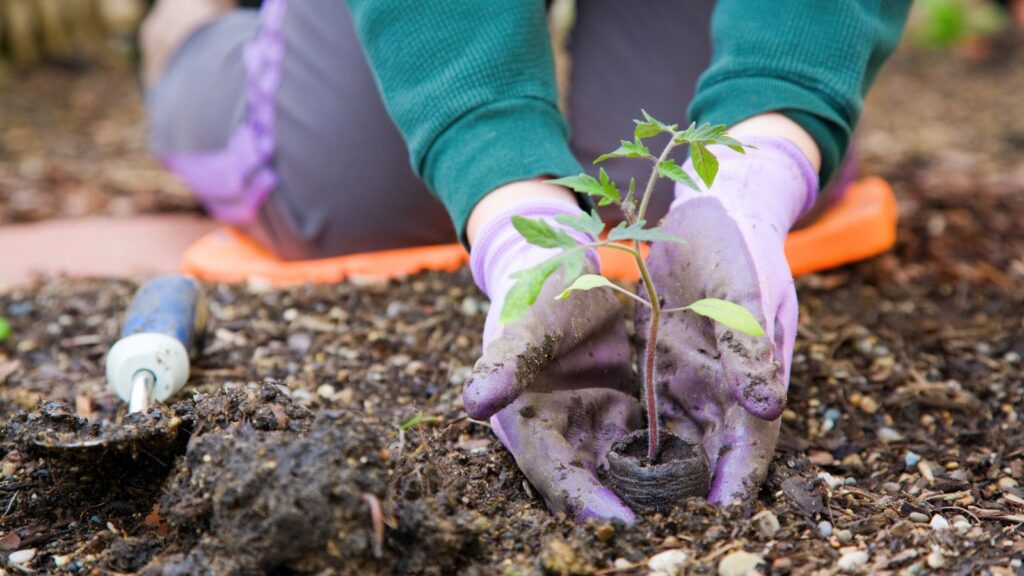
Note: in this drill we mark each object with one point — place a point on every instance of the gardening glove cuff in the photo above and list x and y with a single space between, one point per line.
499 251
772 182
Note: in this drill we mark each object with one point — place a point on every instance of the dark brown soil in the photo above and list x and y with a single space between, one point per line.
905 404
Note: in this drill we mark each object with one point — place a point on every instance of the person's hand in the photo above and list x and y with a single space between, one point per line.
558 384
718 386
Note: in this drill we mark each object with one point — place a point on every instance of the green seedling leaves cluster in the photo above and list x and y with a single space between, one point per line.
633 229
5 329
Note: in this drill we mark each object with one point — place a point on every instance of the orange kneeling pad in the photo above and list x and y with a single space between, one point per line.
861 225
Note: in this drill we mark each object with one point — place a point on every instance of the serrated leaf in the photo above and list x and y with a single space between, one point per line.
638 232
540 233
586 282
587 223
610 192
709 134
626 150
704 163
604 189
651 126
728 313
654 121
669 169
524 292
645 130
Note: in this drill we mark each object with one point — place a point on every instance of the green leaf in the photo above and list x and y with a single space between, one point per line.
587 223
651 126
586 282
540 233
585 184
704 163
5 329
709 134
669 169
732 315
637 232
627 150
524 292
609 189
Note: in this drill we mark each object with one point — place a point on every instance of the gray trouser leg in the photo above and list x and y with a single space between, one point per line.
346 181
628 56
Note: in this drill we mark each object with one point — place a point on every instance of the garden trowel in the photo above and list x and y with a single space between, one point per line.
148 364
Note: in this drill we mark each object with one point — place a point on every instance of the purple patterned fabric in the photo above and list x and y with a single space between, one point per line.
233 183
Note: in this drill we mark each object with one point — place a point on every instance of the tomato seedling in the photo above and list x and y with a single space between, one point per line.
627 236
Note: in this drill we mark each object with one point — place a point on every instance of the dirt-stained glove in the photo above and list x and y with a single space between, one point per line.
719 386
574 357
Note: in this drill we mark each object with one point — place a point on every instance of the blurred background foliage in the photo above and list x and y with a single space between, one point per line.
940 24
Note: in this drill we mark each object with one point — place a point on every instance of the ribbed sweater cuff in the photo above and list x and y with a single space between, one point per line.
496 145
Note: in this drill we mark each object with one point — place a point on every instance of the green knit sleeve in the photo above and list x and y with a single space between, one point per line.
812 60
471 86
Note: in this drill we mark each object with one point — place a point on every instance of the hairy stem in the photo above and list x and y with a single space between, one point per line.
651 348
653 434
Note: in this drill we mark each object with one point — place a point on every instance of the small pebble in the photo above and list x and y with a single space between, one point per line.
61 561
891 487
669 562
869 405
853 561
936 559
9 468
470 306
325 391
911 459
960 524
1004 482
844 536
918 517
22 556
291 314
832 414
739 563
604 532
825 528
887 435
767 523
622 564
831 481
939 523
820 457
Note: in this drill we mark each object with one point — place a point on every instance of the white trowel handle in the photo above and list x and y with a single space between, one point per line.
151 360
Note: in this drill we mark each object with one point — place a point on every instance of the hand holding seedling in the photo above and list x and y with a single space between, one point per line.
544 349
716 384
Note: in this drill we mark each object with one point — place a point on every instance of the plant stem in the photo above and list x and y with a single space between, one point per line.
651 348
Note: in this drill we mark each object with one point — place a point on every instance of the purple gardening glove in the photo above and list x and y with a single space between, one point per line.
719 386
573 357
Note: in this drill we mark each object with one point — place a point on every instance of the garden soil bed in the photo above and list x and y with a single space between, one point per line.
905 405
